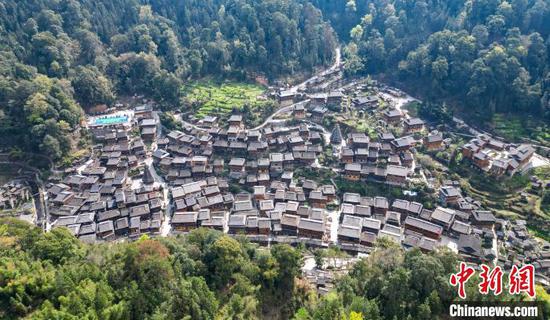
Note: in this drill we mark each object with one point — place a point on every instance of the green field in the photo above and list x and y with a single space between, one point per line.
219 99
514 128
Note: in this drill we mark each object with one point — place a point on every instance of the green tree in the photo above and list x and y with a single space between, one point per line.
191 299
91 87
57 246
330 307
224 258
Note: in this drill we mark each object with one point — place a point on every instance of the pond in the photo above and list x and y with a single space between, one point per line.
111 120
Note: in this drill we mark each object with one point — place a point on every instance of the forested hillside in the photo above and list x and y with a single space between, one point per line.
208 275
487 55
58 54
205 275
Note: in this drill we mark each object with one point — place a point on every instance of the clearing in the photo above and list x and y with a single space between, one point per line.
220 99
515 128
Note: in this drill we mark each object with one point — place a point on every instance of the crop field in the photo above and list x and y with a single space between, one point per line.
219 99
508 196
514 128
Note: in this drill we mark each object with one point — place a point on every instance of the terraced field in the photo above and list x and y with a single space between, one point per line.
509 196
515 128
219 99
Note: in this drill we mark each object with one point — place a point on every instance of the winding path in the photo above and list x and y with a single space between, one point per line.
276 113
332 68
295 88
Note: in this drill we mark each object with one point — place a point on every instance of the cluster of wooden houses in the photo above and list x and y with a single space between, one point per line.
114 194
388 159
496 157
364 219
280 209
100 204
522 248
14 194
246 157
203 166
242 181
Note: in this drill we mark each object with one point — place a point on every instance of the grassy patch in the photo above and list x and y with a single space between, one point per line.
542 173
412 108
169 122
361 125
486 184
220 99
354 122
508 196
539 233
544 203
368 189
321 175
509 128
506 214
516 127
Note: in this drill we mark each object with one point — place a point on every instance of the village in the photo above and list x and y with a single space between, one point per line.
274 159
16 200
365 149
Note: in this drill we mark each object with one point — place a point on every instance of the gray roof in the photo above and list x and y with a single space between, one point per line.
397 171
363 210
237 220
484 216
121 223
310 224
371 223
243 205
444 215
470 244
461 227
349 231
352 197
290 220
354 221
381 202
237 162
391 235
105 226
148 176
356 167
414 121
184 217
423 224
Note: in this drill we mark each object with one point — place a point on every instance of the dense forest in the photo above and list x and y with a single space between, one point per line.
209 275
487 55
58 55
